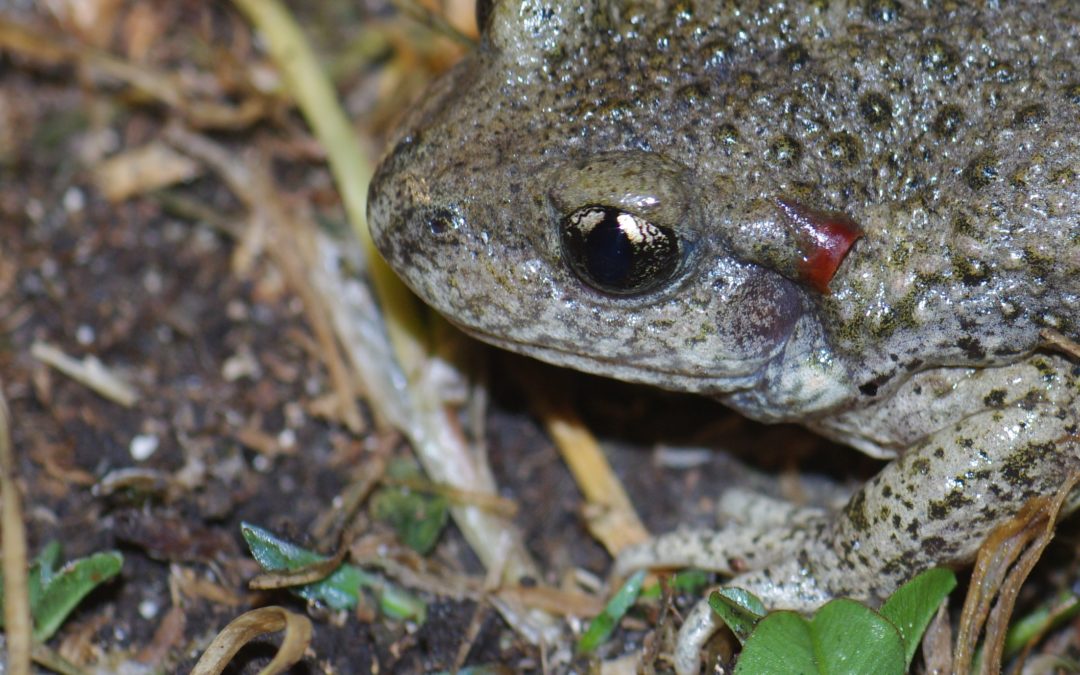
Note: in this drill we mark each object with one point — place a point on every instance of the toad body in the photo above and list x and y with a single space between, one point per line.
860 216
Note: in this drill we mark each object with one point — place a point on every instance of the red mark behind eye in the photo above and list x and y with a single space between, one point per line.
824 239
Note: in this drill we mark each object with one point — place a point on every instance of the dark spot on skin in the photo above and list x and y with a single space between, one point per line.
692 95
785 151
933 547
856 512
726 136
961 225
973 349
746 80
1016 466
1040 264
1030 116
1072 93
682 12
939 509
1044 369
871 388
615 110
717 54
970 271
921 467
1002 72
913 527
795 56
948 121
876 109
842 150
937 57
1062 175
939 453
883 11
981 170
995 399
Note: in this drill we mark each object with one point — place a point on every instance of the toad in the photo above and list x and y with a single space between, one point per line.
861 216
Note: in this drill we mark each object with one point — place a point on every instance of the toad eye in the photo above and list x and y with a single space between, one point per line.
618 252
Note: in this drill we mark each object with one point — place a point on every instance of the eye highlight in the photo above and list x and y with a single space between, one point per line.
618 252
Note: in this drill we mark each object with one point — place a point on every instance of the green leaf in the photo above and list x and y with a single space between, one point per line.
341 589
911 607
1062 608
689 581
41 573
844 637
402 605
741 610
66 588
418 519
600 628
782 643
46 562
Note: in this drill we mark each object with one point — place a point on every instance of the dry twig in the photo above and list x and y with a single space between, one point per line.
18 626
89 371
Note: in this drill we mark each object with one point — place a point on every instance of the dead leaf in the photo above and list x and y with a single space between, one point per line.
247 627
143 169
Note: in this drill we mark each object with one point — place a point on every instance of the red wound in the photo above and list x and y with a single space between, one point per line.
824 239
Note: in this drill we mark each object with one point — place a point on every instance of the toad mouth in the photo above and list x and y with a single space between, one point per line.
745 376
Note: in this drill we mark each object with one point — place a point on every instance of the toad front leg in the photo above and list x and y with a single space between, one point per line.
932 506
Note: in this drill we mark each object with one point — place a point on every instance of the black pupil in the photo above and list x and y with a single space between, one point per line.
618 252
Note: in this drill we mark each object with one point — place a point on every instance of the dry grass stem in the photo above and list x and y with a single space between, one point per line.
18 625
1005 559
610 514
500 506
159 86
289 243
308 574
423 416
1061 343
355 494
88 371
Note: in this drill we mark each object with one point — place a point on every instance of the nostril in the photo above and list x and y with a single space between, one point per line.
405 144
442 219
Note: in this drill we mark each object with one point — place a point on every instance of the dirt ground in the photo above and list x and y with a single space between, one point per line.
164 285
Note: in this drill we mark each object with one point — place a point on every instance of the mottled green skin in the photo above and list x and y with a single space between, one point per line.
950 135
